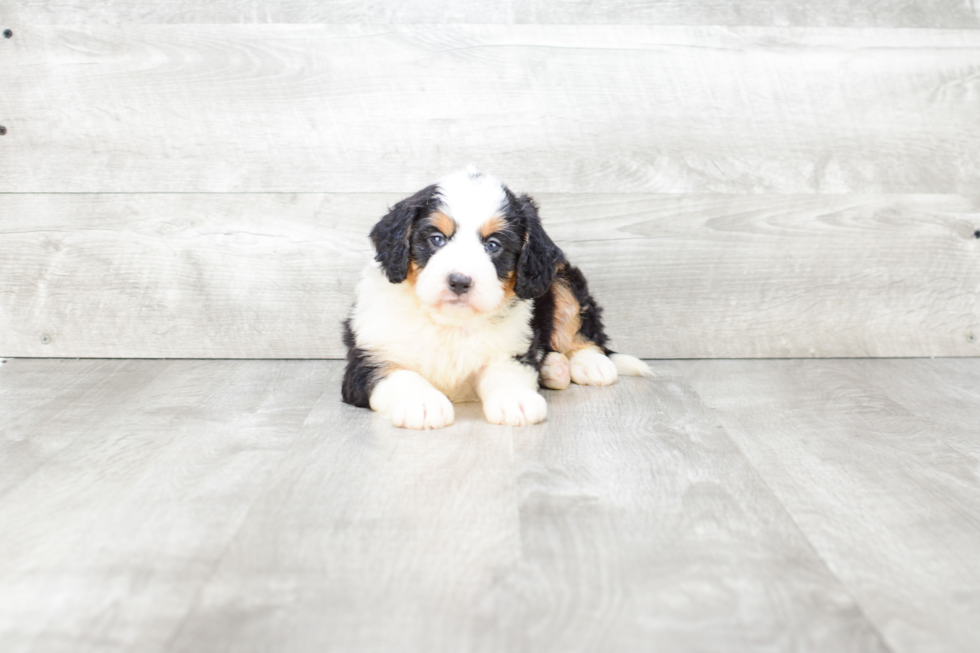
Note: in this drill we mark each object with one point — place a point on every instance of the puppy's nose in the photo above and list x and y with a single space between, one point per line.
460 283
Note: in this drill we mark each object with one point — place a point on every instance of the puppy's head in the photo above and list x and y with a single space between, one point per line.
466 245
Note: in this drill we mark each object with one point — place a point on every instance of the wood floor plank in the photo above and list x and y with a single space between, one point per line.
627 521
554 108
198 275
719 506
45 405
893 510
370 538
644 528
106 545
861 13
943 394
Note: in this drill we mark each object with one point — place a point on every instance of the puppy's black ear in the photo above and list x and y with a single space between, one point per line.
393 233
539 255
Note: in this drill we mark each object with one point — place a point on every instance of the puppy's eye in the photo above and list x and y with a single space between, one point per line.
438 240
492 246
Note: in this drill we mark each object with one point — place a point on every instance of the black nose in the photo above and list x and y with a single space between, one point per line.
460 283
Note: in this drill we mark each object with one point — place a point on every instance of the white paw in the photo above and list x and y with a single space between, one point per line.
590 367
518 406
554 371
424 408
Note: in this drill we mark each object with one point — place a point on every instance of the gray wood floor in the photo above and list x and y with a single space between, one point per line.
792 505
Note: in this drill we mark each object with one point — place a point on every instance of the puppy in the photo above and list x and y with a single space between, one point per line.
468 298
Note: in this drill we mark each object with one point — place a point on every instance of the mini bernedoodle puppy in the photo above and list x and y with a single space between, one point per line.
470 299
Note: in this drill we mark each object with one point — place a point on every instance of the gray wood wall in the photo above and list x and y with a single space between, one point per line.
737 179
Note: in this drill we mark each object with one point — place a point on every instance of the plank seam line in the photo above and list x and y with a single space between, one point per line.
755 472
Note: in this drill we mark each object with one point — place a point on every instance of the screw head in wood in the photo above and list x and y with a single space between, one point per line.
3 130
976 234
45 339
971 337
8 33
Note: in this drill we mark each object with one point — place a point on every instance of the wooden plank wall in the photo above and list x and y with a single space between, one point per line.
799 13
737 179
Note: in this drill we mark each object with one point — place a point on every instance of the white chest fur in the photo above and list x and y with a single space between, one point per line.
389 321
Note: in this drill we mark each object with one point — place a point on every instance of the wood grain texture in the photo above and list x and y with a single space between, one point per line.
208 276
863 13
886 502
45 405
553 108
272 276
938 392
401 533
107 543
643 528
626 521
719 506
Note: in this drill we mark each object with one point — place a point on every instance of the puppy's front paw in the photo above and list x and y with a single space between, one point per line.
554 371
515 407
590 367
422 409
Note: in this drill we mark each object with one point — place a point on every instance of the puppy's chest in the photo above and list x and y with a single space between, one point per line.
391 325
452 357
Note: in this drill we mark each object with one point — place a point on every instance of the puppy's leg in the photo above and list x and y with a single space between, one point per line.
509 394
411 402
577 332
590 366
555 372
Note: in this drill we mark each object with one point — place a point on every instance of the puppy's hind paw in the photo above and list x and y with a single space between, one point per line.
555 373
590 367
515 407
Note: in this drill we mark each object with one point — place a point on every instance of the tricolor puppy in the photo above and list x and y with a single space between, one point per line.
469 299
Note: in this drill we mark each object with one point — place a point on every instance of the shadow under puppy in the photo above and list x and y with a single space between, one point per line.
468 298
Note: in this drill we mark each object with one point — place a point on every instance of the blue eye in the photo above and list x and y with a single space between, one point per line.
492 246
437 240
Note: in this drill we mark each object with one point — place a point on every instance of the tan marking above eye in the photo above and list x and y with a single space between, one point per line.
494 224
443 223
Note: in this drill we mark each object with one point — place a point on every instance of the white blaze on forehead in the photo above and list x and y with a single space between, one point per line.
471 199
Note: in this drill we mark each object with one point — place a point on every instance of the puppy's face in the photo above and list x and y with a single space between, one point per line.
466 245
465 253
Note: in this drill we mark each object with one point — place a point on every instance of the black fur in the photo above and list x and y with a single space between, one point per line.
543 317
542 325
539 255
392 234
361 374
